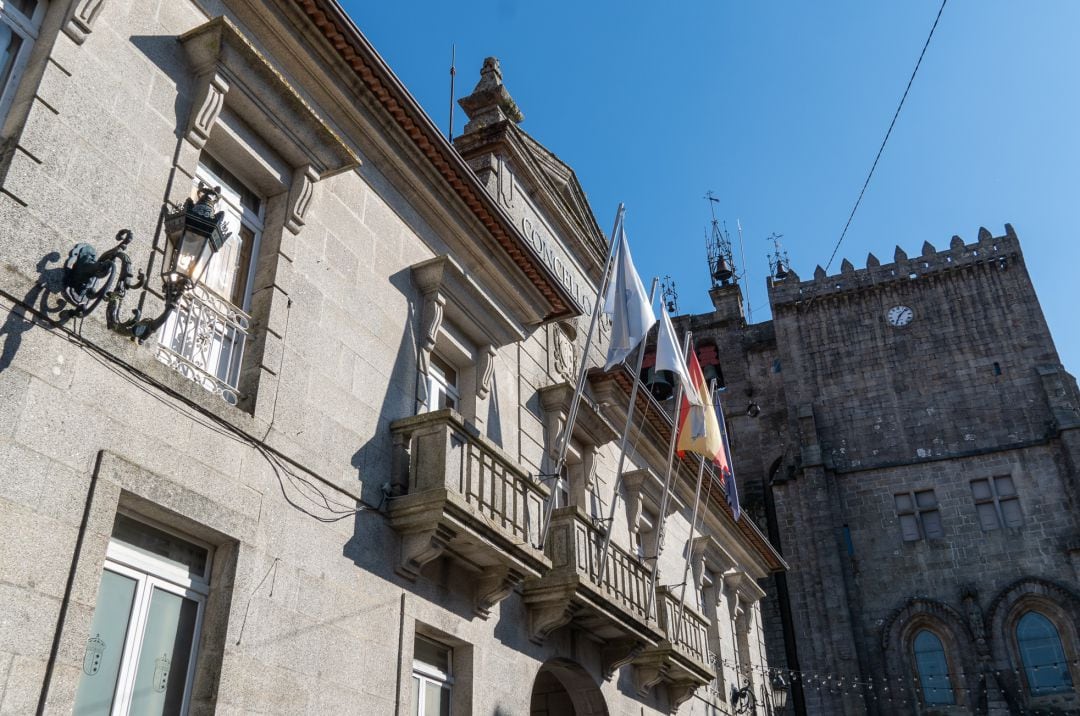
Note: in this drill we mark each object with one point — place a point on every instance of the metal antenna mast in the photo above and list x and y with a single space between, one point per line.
718 249
453 74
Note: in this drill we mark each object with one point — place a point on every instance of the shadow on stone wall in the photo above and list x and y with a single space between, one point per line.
49 283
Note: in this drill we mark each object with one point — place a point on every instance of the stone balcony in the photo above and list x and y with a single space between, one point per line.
611 608
681 658
466 499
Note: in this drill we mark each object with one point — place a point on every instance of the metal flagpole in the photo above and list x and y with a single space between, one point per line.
575 401
622 447
693 521
667 488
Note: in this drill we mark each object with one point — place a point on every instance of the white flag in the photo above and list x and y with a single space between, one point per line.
669 356
628 305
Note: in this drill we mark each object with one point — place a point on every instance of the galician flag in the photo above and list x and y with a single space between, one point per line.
705 439
628 305
669 356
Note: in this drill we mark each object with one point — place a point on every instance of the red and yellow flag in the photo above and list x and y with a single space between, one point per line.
699 430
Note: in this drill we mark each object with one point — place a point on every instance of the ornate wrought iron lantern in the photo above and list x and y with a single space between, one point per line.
779 689
194 233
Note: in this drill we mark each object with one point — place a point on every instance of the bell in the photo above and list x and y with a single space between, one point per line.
659 383
722 272
781 272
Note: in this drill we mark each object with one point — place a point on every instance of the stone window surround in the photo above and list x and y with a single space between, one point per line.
461 654
997 499
1067 632
117 485
591 432
463 324
707 554
286 148
926 622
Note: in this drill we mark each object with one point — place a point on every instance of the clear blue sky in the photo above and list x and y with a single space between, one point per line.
779 108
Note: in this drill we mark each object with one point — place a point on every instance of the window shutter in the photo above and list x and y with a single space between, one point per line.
932 524
988 518
980 489
1005 487
909 527
1010 510
926 499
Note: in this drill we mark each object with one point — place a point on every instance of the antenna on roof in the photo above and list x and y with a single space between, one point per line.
453 74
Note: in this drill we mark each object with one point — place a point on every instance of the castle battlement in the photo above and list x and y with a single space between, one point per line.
959 256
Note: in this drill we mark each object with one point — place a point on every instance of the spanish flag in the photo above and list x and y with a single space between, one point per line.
699 430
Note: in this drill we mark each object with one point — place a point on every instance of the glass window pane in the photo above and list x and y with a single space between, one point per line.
909 527
933 669
932 524
925 499
26 7
417 706
1010 510
166 652
432 654
9 49
981 489
988 518
903 503
105 647
162 545
436 699
1044 660
1004 485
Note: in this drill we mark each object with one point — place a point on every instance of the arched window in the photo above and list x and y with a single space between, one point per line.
933 669
1044 661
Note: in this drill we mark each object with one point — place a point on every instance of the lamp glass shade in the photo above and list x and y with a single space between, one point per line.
779 693
194 233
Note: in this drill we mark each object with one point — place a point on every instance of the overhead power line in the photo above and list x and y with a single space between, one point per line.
886 139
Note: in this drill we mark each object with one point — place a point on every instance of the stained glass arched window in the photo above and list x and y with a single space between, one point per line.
1044 660
933 669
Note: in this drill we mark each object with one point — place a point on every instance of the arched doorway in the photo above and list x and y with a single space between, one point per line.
563 688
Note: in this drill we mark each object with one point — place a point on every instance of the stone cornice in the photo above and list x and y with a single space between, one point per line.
354 49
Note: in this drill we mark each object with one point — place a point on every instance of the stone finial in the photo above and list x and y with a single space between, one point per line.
899 255
1010 232
792 276
984 234
956 243
872 261
846 267
490 101
928 249
819 273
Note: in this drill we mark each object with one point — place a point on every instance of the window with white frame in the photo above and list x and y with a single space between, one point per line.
996 503
442 385
206 335
433 678
918 514
20 21
140 654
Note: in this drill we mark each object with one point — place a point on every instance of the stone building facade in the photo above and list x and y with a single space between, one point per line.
318 485
915 458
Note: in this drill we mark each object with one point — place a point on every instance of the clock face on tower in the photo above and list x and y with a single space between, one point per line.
899 316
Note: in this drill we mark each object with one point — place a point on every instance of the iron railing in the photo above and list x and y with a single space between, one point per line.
204 341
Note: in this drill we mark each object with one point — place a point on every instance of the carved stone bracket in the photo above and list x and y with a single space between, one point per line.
432 317
494 585
209 100
617 653
300 195
550 606
419 548
679 692
80 22
648 674
485 369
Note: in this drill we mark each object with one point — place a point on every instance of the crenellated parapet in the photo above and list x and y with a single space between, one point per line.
1001 250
